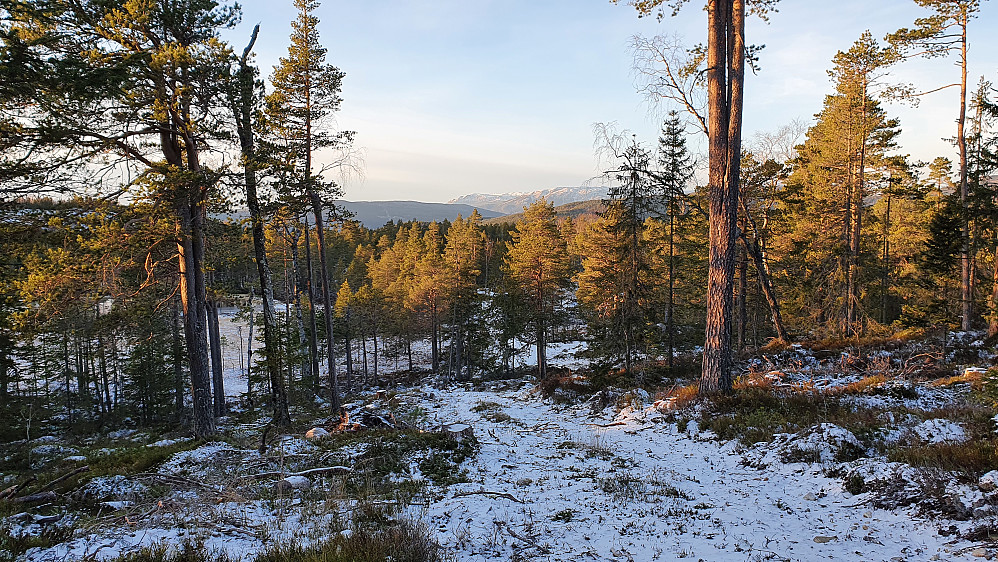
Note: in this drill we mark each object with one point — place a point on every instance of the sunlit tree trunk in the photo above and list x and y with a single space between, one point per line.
725 75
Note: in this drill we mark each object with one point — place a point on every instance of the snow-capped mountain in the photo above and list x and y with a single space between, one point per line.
509 203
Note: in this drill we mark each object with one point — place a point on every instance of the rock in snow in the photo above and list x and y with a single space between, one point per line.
988 482
316 433
292 483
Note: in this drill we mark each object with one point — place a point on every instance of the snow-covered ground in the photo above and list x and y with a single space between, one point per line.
556 482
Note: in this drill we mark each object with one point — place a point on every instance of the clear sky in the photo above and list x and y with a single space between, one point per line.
450 97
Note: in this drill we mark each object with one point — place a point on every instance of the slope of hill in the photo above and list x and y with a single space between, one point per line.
507 203
574 210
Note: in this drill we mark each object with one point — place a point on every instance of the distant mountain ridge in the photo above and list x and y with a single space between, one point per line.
572 210
374 214
511 203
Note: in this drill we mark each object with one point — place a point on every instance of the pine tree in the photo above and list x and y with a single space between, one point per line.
939 34
166 97
538 262
844 152
463 255
306 91
725 54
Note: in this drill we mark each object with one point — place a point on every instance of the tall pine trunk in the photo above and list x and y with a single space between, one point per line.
299 287
190 248
966 286
334 392
178 362
725 77
243 108
313 346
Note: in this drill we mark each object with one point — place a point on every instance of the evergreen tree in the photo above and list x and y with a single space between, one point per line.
538 262
844 152
463 255
306 91
937 35
245 97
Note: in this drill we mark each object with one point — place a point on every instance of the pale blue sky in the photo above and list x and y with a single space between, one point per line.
450 97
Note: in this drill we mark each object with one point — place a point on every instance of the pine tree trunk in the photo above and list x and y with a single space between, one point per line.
313 346
966 291
215 344
348 336
190 247
178 362
724 92
742 304
541 352
334 392
249 351
756 250
302 351
435 343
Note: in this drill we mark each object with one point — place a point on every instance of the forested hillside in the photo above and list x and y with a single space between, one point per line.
810 311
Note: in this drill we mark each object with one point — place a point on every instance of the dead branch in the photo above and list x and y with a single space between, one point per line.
309 472
509 529
35 498
504 495
612 424
13 490
173 479
64 477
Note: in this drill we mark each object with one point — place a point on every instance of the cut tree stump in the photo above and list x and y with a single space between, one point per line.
458 431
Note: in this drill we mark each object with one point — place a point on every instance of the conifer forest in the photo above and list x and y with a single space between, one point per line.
751 345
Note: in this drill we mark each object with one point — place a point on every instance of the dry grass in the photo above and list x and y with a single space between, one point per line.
678 397
975 379
862 386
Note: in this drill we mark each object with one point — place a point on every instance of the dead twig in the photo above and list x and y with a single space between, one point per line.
35 498
173 479
509 529
611 424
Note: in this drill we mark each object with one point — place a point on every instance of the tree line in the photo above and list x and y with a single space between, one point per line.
111 299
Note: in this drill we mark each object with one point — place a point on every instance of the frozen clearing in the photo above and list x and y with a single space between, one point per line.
552 482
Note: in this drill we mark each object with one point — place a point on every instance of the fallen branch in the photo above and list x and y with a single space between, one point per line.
34 498
309 472
867 501
13 490
505 495
64 477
